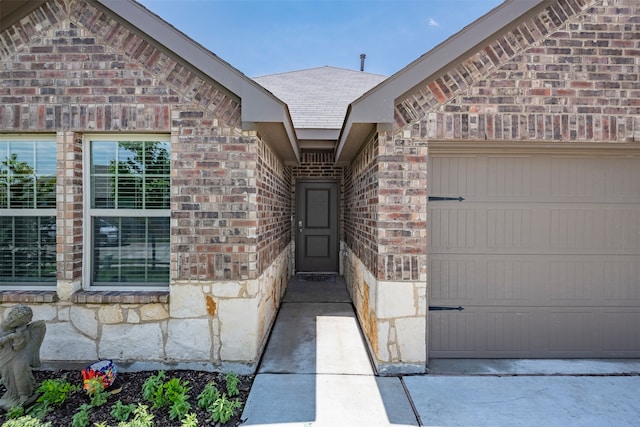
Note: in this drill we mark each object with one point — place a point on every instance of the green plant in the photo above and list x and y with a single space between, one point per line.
95 390
81 417
122 412
223 409
232 384
175 396
39 410
171 394
208 396
141 418
26 421
15 412
191 420
151 386
53 392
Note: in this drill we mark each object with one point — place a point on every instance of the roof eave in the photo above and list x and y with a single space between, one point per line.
377 105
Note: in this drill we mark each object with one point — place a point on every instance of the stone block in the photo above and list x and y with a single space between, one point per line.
239 329
188 340
85 321
186 301
151 312
110 314
124 342
66 288
133 316
396 299
411 339
227 289
46 312
63 342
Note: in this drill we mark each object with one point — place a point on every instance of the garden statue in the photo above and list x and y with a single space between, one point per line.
20 341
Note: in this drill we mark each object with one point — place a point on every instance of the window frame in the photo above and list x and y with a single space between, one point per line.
32 212
89 213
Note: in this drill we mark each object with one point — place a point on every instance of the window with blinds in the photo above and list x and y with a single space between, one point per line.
27 212
129 212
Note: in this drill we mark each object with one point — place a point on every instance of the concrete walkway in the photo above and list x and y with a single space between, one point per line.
316 372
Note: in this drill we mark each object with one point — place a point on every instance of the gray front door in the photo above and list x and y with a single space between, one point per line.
317 226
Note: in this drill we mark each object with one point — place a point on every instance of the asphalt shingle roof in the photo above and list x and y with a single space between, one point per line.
318 97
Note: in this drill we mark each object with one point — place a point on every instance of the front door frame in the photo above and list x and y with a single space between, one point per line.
301 187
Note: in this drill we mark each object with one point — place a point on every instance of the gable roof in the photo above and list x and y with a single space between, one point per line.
376 107
318 99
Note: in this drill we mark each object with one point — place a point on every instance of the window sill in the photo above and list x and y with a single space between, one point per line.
120 297
28 296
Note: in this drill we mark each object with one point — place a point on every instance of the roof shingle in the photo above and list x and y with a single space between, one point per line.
318 97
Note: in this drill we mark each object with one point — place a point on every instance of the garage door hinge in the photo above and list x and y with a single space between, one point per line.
443 199
441 308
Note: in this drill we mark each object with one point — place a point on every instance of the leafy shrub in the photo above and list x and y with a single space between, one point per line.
53 392
171 394
208 396
232 384
151 386
122 412
25 421
81 417
141 418
223 409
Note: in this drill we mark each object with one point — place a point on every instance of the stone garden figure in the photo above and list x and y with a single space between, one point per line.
20 341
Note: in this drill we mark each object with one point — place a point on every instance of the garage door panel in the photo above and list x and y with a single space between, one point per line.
532 332
537 228
576 179
543 254
620 331
571 329
533 280
459 175
510 176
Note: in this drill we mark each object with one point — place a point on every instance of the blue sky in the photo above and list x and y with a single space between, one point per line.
261 37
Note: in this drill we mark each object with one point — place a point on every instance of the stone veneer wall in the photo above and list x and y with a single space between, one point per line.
68 69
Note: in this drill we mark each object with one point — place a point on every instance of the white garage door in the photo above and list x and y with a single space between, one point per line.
543 254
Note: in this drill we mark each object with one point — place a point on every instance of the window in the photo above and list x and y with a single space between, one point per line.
27 212
128 218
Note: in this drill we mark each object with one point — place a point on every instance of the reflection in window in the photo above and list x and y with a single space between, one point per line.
130 185
27 212
130 174
131 250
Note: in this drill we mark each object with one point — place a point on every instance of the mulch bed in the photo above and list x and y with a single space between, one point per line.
130 385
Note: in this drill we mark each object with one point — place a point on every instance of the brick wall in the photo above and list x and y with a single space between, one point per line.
70 67
361 207
69 207
567 73
385 213
274 205
213 201
402 206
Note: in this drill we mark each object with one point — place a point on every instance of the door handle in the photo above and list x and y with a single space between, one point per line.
300 226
